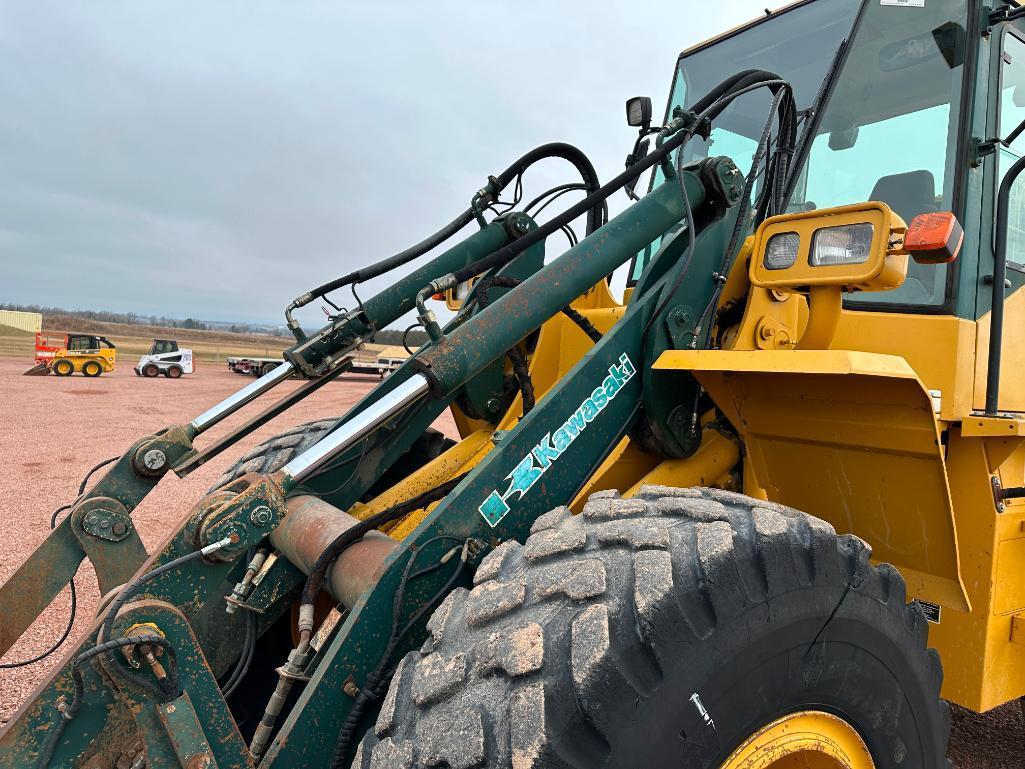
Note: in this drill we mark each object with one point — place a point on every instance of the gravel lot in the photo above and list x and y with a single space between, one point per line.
54 429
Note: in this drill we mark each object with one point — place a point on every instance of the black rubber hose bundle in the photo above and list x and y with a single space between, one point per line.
553 150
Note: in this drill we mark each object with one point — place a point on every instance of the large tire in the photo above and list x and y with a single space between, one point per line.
274 453
91 368
586 646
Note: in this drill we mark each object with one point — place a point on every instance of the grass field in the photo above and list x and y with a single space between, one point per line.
133 341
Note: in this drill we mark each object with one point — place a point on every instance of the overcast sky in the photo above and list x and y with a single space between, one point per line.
216 159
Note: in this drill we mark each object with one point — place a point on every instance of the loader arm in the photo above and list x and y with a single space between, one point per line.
575 426
117 556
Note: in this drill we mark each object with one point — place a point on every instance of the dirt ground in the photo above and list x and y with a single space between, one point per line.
54 429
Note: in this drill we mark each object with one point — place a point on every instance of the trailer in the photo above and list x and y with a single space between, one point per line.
252 366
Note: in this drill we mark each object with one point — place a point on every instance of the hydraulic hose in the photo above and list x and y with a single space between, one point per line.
707 108
566 152
495 185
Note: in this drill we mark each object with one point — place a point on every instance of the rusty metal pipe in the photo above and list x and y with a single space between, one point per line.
310 526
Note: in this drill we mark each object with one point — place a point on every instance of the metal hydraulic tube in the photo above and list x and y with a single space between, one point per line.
471 346
360 426
247 394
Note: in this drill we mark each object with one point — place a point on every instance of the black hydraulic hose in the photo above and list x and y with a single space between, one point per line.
399 259
318 571
505 254
711 107
569 153
516 358
496 184
70 710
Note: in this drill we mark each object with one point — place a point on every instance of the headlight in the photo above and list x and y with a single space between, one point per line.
847 244
781 251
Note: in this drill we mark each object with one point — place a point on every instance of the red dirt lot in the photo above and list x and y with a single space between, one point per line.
52 430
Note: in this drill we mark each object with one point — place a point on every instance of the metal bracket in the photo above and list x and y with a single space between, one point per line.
104 529
983 148
678 326
108 522
998 494
186 733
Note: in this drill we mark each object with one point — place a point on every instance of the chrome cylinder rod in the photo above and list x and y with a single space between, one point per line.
247 394
360 426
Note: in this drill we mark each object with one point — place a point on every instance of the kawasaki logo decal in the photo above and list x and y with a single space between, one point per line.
554 445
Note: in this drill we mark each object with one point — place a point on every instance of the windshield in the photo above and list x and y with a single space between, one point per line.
798 45
889 129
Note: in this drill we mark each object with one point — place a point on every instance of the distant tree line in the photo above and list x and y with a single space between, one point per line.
389 336
135 319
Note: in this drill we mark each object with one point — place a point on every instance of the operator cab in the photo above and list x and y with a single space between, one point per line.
888 93
163 346
87 343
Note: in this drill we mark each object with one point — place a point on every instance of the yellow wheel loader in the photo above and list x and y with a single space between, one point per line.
766 512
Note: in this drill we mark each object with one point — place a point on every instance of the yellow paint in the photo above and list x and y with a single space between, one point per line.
78 358
885 265
620 470
1013 426
939 348
850 438
824 306
1012 382
982 668
710 465
809 739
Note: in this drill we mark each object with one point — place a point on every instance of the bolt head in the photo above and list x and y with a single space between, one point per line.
261 516
154 459
120 528
493 405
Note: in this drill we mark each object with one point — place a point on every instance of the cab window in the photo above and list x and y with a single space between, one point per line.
1012 112
889 131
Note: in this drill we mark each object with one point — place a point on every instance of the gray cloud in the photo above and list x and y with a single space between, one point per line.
216 159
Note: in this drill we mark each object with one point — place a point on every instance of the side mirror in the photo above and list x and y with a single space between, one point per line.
638 112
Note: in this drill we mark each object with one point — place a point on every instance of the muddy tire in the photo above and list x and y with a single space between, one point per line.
150 370
173 372
604 640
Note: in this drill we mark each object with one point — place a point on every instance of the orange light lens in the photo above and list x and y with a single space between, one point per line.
934 238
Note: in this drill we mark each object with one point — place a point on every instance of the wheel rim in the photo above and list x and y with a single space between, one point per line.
810 739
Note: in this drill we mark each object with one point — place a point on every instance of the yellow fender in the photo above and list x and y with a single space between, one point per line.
849 437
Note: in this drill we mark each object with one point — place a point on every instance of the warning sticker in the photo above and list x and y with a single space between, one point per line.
931 611
907 3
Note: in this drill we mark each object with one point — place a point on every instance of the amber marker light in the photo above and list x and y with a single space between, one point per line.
934 238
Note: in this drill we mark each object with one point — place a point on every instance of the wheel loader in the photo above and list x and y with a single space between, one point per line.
766 511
